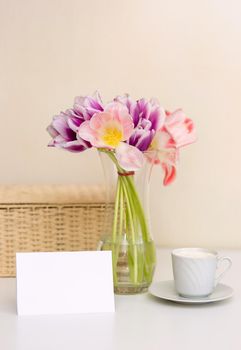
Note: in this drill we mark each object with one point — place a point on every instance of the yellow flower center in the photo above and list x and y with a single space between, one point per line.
112 136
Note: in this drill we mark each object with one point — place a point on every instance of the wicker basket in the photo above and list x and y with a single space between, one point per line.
48 218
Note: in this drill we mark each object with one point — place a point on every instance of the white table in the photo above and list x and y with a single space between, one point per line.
140 321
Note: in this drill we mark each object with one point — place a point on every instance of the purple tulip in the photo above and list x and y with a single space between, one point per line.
148 117
65 137
64 127
86 106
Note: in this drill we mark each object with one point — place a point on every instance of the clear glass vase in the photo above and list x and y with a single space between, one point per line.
127 226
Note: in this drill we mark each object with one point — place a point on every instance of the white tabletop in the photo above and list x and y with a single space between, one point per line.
140 321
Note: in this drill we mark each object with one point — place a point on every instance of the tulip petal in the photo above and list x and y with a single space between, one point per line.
99 119
135 112
170 173
135 137
75 146
87 106
142 139
60 124
157 118
95 102
74 123
80 109
86 133
127 125
129 157
59 140
52 131
180 128
125 100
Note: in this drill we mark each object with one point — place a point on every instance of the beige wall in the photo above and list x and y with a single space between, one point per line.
187 53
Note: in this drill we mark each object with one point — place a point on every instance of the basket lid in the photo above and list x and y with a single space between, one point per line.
51 194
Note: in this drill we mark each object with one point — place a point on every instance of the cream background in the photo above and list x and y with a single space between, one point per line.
187 53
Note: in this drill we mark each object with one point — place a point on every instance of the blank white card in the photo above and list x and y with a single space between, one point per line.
64 283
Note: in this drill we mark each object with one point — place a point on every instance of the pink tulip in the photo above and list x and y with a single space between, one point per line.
180 128
109 129
163 151
178 131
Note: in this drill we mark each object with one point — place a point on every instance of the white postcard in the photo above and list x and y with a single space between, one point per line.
64 283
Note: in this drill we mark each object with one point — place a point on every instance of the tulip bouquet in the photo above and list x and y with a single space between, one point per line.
130 133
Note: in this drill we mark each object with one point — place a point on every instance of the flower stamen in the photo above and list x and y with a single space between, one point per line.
112 136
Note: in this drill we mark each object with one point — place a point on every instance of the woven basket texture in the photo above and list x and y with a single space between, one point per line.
47 219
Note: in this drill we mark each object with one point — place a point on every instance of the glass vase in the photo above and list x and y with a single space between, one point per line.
127 226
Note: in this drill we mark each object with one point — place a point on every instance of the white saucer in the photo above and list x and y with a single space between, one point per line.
166 290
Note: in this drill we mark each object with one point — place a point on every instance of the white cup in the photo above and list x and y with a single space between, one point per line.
195 271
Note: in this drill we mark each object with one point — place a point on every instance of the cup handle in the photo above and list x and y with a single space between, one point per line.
220 260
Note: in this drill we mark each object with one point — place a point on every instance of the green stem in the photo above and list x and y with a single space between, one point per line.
133 234
117 240
121 218
128 208
139 210
115 222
